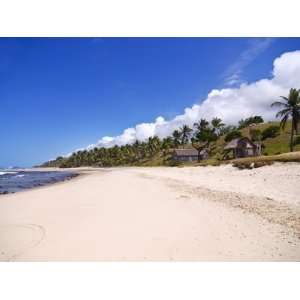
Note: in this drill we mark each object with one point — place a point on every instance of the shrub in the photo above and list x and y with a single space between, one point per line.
250 120
297 140
175 163
270 132
255 135
232 135
218 156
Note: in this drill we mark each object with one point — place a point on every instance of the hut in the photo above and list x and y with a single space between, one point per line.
189 154
243 147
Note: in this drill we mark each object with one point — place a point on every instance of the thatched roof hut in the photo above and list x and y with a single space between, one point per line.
189 154
243 147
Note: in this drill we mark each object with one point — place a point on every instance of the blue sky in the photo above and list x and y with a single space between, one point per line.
58 95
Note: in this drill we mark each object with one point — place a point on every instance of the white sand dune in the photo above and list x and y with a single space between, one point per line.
204 213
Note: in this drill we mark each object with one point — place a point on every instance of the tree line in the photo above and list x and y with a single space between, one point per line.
202 135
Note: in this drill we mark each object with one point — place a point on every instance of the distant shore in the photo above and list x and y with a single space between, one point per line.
137 213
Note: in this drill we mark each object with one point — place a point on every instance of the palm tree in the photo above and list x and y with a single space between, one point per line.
291 108
176 138
217 125
201 125
203 137
186 132
153 145
166 144
143 149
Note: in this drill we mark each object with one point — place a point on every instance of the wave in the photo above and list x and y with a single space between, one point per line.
3 173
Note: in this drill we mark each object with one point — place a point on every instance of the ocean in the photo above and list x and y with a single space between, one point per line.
12 181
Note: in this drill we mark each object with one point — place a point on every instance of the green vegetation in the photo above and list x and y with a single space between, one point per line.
185 133
157 152
176 138
232 135
290 108
251 120
297 141
255 134
212 136
270 132
205 134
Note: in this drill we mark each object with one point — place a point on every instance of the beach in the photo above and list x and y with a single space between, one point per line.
157 214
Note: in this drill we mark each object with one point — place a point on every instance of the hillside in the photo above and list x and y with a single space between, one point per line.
271 146
276 145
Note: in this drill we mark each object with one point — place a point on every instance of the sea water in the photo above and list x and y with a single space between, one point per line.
12 181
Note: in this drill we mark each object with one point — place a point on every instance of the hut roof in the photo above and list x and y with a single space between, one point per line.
232 144
186 152
235 143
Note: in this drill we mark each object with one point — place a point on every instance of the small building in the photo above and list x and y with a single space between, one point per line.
243 147
189 154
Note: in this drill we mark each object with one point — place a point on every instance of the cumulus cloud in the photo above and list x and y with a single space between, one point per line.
229 104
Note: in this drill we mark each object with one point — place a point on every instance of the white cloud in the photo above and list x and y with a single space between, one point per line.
286 69
230 104
233 75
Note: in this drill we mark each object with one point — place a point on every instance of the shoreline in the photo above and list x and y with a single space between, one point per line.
72 176
156 214
79 173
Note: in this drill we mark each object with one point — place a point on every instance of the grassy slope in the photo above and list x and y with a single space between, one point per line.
277 145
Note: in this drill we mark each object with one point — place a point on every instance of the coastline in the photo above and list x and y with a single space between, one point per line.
138 213
75 174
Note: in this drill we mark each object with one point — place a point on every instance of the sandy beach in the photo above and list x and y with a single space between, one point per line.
183 214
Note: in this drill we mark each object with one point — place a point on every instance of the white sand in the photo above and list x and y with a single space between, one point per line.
204 213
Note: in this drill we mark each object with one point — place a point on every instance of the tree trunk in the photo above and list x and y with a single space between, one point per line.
292 137
199 155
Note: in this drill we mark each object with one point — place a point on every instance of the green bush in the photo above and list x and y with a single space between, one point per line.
270 132
233 135
251 120
218 156
255 135
174 163
297 140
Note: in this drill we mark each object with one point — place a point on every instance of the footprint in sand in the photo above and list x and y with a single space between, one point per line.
16 239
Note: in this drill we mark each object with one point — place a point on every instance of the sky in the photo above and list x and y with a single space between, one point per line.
58 95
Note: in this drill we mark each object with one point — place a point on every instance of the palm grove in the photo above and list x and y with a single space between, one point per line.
203 135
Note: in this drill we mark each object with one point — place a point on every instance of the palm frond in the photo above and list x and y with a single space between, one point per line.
283 112
278 103
283 122
285 98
